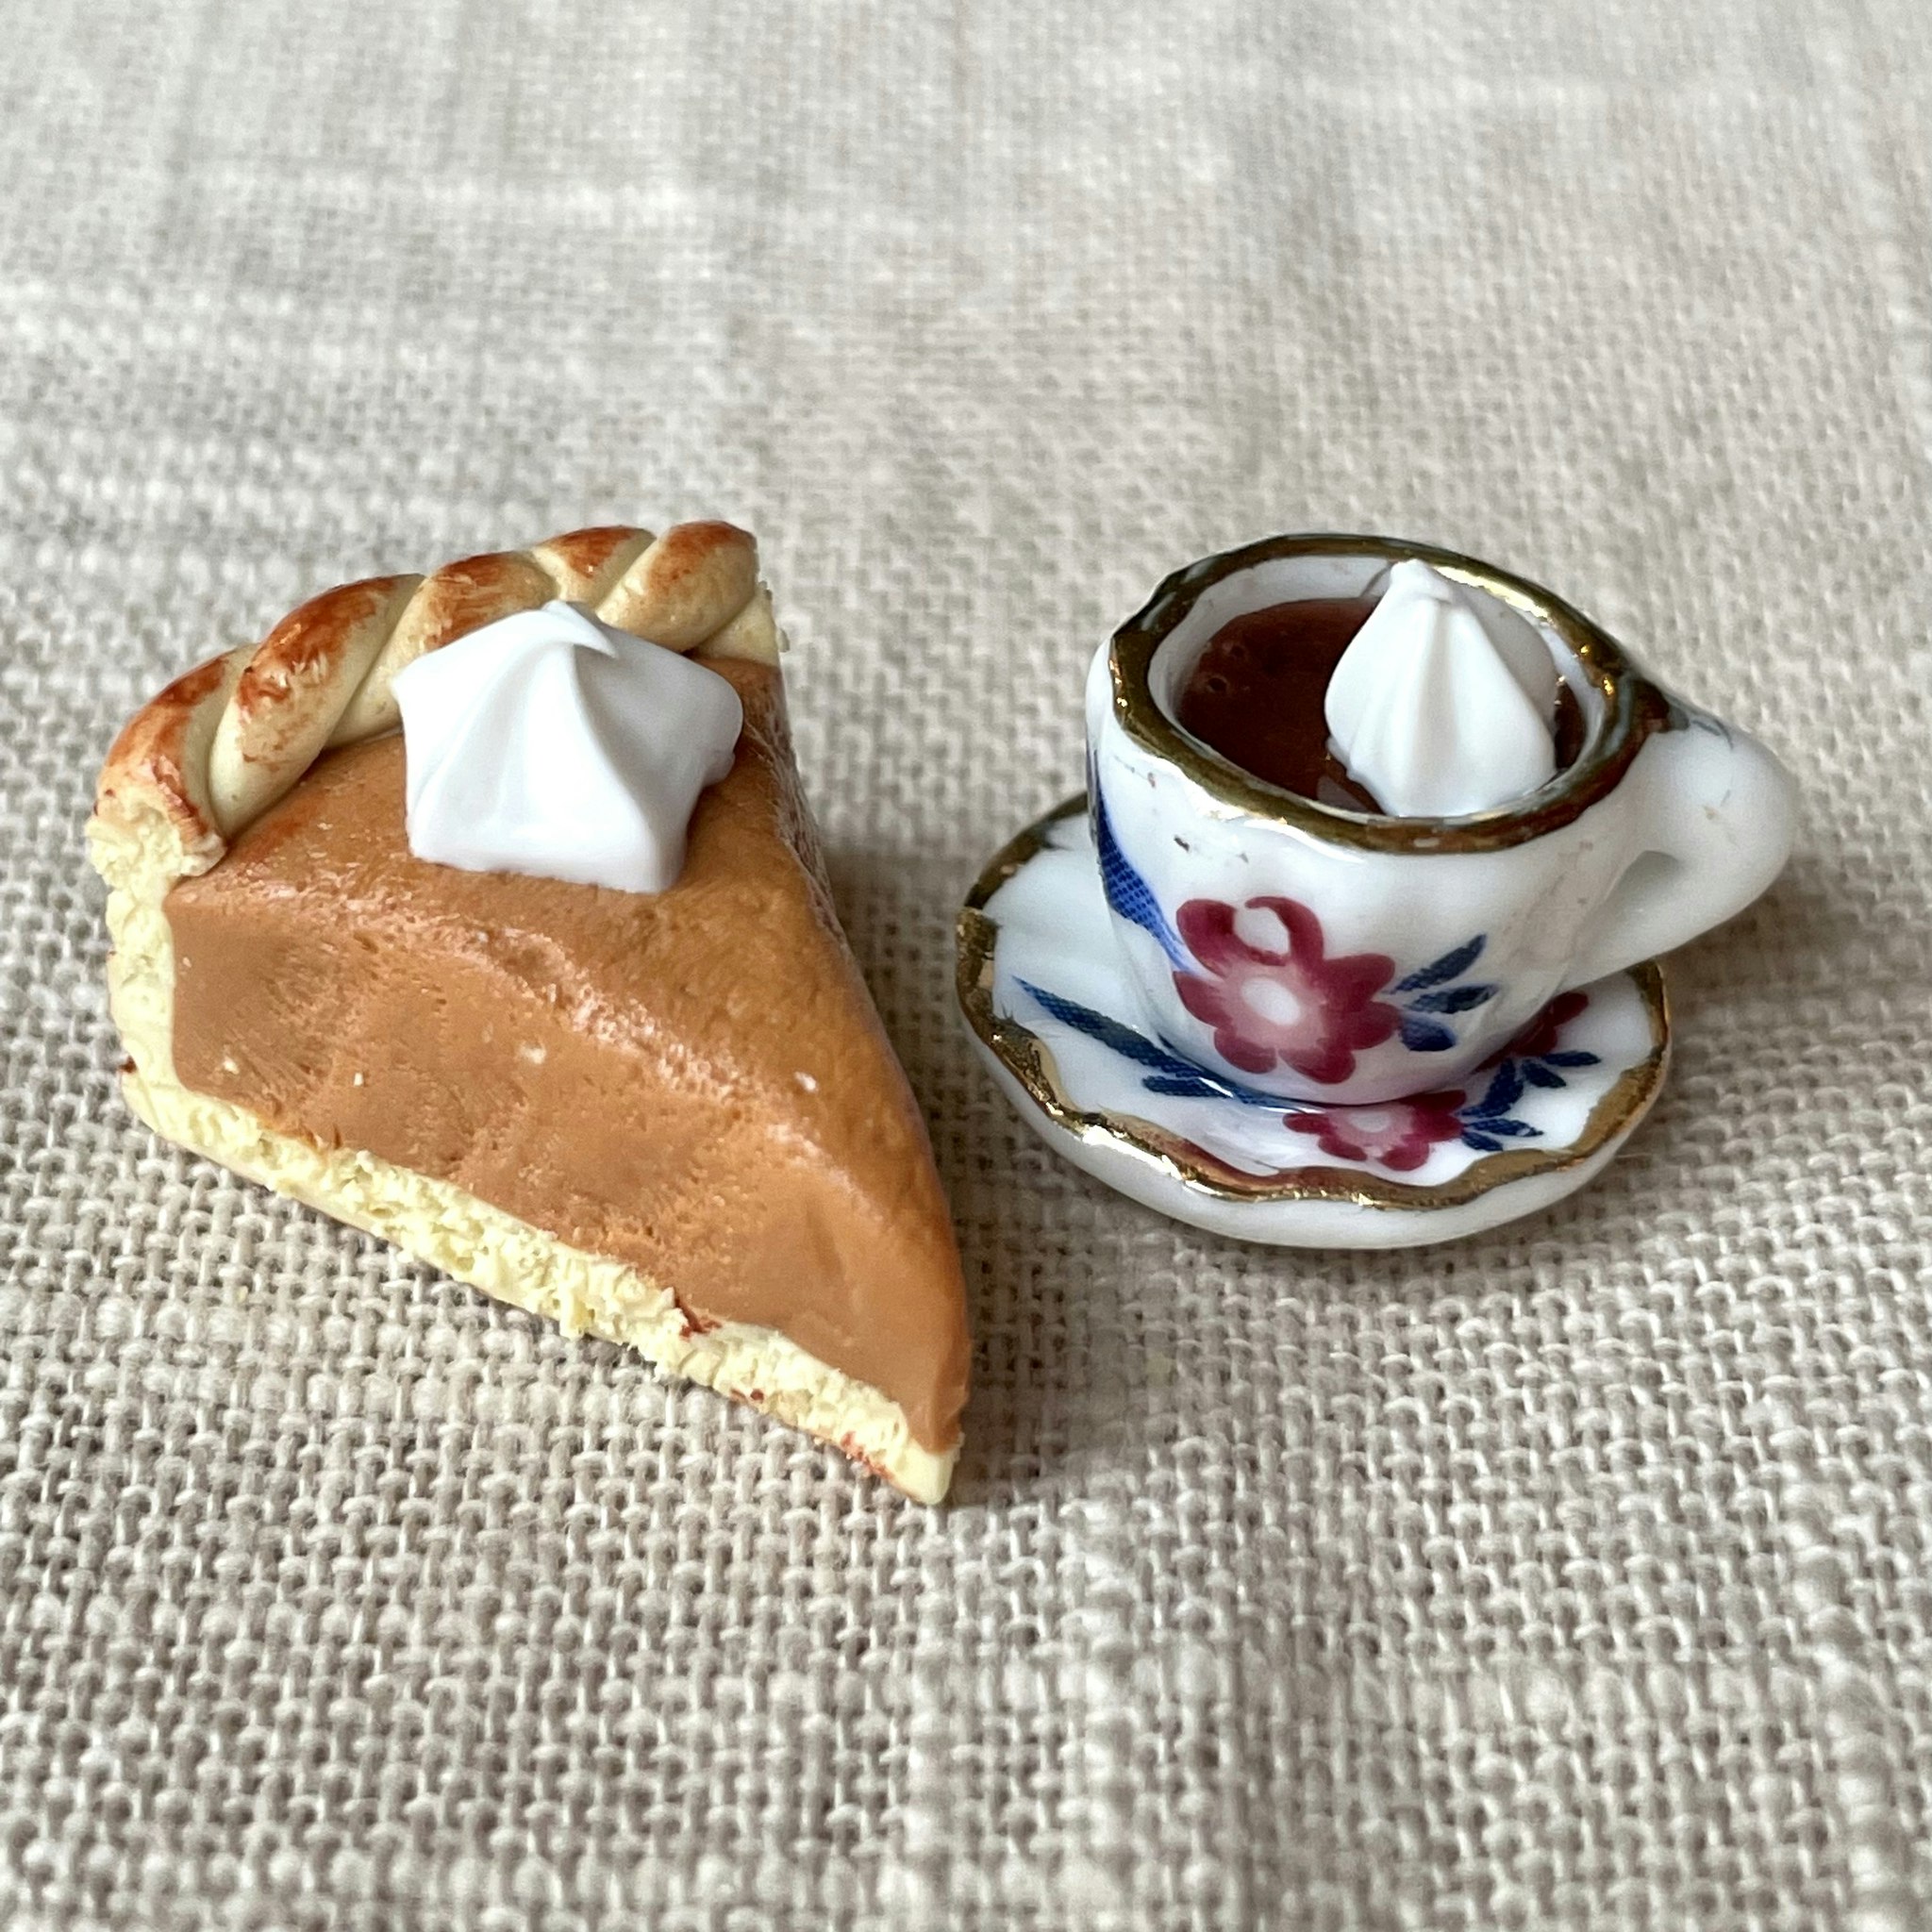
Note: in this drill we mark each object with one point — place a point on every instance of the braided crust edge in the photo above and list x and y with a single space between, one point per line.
213 751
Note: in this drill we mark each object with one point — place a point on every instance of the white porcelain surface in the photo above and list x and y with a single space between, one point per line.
1513 1139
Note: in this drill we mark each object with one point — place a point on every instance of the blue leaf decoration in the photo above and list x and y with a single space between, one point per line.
1424 1036
1481 1142
1540 1075
1177 1075
1128 892
1203 1086
1570 1057
1515 1130
1178 1087
1506 1089
1449 966
1111 1033
1454 999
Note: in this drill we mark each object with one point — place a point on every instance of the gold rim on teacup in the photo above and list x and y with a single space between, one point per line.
1633 706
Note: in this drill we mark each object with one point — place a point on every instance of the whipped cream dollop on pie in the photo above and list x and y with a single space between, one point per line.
1442 703
552 744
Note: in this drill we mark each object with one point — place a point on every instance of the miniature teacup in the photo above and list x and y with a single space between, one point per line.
1300 950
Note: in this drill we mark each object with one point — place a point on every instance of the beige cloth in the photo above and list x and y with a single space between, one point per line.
1577 1576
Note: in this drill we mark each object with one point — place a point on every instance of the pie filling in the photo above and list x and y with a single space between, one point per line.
694 1083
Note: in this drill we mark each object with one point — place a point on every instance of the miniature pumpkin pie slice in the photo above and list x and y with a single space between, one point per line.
610 1067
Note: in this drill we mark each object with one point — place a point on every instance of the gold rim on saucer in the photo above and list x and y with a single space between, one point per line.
1031 1061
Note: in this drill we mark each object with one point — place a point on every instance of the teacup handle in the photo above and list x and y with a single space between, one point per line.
1713 828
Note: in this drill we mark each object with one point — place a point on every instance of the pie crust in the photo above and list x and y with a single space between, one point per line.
220 745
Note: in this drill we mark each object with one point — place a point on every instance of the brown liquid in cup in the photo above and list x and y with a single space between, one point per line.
1256 695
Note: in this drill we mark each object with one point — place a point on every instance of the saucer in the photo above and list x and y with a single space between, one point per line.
1053 1013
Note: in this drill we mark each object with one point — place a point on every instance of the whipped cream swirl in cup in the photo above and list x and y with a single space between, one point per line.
1442 703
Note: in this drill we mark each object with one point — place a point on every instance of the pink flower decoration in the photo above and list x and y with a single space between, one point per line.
1397 1135
1296 1006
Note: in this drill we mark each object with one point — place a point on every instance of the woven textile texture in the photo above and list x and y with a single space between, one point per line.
1579 1576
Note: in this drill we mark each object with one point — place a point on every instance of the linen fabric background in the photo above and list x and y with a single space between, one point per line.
1576 1576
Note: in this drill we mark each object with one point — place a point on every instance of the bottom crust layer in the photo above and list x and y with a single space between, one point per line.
583 1293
